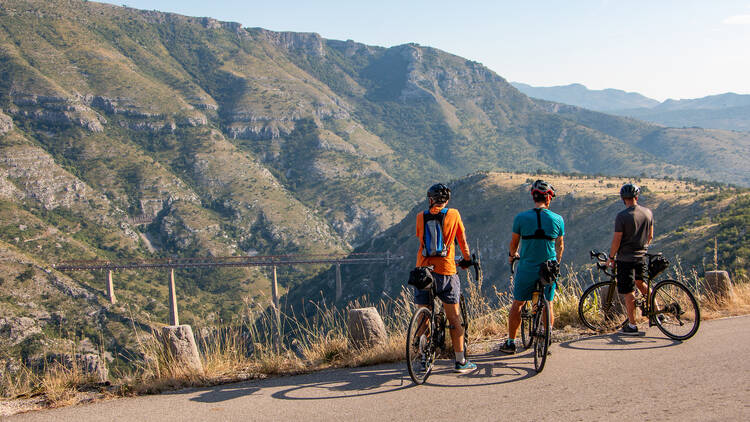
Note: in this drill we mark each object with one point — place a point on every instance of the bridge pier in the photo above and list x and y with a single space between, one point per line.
110 288
339 289
174 318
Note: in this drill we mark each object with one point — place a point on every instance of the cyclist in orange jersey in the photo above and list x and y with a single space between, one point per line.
438 228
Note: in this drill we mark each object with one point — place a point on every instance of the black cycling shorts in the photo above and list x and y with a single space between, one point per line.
627 273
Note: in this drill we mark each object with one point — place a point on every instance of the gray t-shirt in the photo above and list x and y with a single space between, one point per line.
635 224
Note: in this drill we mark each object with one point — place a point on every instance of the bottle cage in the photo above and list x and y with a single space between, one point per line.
539 233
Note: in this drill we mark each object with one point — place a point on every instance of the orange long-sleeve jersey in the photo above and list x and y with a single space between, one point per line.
453 229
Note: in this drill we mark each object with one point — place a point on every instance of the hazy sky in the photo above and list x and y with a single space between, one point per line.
661 49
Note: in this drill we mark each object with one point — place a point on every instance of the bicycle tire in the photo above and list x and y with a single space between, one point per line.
678 315
527 333
600 308
541 334
464 324
420 350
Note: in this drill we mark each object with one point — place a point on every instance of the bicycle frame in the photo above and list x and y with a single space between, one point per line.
644 302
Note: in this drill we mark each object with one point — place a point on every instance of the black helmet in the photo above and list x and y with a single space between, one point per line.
439 193
543 188
630 190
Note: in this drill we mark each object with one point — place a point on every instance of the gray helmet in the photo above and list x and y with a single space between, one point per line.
439 193
542 188
630 190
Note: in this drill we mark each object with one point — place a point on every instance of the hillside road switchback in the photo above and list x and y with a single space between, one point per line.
603 377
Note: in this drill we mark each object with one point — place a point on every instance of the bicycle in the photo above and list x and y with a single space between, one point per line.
535 322
425 338
670 305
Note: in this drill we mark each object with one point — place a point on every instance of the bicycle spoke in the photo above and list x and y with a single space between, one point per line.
601 309
420 347
676 311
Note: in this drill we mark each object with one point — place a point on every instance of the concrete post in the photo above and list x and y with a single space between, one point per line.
719 285
110 288
180 342
174 319
339 291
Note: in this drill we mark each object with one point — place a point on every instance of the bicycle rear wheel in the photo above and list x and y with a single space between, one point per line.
541 334
675 310
420 347
600 307
465 324
527 326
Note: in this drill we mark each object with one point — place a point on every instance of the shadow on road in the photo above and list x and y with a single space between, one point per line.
226 392
355 382
381 379
618 342
491 370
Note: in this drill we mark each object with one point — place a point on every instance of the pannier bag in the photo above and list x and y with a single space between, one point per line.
657 266
549 271
421 277
434 243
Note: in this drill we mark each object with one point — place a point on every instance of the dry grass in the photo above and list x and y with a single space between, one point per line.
20 382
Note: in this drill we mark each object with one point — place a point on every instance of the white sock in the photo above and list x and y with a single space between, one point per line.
632 326
460 358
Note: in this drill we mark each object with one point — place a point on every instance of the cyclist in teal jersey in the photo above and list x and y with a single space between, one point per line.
539 232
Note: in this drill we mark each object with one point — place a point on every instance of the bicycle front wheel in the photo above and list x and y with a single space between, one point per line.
527 326
675 310
420 347
542 333
601 308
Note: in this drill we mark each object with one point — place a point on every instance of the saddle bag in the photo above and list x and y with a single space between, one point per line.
421 277
549 271
657 266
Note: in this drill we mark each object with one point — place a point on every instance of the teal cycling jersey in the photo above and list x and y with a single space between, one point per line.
537 249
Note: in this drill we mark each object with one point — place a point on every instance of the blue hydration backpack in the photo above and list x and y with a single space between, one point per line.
434 243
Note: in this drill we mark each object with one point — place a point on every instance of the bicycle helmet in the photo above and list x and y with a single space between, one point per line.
630 190
439 193
542 188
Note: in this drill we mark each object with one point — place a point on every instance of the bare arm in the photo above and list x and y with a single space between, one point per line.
616 239
650 235
513 247
559 247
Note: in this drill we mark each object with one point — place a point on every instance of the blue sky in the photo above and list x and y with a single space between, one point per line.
662 49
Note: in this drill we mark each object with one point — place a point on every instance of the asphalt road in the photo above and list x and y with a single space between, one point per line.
597 378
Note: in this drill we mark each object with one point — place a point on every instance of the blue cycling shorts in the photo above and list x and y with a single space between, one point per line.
524 283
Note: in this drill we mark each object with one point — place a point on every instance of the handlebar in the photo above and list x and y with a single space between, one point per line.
476 263
601 263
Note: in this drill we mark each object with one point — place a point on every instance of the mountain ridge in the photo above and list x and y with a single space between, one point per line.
728 111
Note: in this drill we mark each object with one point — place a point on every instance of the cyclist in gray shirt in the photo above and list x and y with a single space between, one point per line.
634 230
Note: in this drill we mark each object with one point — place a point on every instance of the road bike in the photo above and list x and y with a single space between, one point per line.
536 331
670 305
425 338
